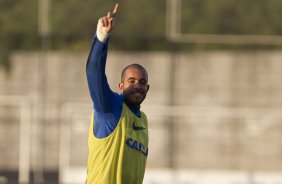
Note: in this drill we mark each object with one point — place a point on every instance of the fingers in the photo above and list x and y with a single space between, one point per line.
108 20
105 21
115 9
112 14
109 15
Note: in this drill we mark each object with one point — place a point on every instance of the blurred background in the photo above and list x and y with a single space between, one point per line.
214 106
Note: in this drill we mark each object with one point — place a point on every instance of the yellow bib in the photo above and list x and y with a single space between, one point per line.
119 158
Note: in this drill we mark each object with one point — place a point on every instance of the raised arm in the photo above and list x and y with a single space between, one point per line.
100 91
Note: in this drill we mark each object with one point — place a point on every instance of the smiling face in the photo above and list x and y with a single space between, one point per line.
134 85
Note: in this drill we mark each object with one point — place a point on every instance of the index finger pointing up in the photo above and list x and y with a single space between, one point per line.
115 10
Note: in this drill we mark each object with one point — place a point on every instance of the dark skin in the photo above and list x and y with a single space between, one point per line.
134 85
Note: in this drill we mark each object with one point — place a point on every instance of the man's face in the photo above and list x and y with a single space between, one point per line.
134 85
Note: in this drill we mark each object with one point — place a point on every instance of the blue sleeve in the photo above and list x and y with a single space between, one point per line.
107 104
100 91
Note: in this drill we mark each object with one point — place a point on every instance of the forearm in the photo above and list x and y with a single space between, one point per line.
97 82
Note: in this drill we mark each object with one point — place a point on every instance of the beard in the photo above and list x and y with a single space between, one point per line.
134 97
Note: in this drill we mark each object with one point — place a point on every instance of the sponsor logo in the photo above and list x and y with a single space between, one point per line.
137 146
137 127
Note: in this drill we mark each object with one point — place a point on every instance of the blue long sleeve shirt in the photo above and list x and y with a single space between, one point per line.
107 104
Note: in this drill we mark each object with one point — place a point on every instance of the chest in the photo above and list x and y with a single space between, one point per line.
136 134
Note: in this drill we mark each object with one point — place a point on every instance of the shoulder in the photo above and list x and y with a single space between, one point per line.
117 99
118 96
143 115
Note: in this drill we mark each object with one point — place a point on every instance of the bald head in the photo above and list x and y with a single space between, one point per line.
133 66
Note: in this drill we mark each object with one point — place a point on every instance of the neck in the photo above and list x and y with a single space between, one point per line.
137 107
134 108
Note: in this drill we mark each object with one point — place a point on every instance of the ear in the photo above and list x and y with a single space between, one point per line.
148 87
121 86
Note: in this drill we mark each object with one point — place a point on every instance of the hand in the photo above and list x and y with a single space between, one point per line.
107 21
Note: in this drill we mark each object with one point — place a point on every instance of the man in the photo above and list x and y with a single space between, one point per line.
118 133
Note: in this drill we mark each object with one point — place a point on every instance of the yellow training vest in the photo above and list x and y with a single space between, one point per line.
119 158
